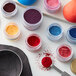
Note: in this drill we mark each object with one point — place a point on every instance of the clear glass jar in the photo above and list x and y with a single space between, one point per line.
69 37
12 37
30 26
50 8
9 14
54 37
61 58
33 48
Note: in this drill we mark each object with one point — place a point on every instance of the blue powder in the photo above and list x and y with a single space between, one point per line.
72 32
55 30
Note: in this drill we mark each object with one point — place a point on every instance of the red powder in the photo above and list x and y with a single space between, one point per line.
64 51
33 41
47 54
46 62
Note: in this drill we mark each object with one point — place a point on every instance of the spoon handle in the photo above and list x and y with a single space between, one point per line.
57 69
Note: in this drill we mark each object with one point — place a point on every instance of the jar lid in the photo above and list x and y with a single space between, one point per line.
73 66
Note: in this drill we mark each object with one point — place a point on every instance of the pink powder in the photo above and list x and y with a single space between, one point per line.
52 3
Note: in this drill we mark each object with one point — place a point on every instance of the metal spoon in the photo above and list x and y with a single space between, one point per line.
62 73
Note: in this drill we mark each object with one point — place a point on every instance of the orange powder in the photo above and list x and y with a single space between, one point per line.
12 29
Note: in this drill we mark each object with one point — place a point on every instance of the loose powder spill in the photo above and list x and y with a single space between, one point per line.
32 16
46 62
9 7
33 41
52 3
12 29
64 51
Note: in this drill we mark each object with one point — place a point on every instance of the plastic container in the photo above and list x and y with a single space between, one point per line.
33 43
36 17
10 13
27 2
54 32
71 34
50 8
65 53
16 33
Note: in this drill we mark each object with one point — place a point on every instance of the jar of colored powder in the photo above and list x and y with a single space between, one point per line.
71 34
12 31
33 42
9 9
54 32
64 53
32 18
52 5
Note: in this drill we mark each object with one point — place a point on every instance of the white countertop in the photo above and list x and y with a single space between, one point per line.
41 31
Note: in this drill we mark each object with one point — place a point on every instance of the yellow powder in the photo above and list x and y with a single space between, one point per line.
12 29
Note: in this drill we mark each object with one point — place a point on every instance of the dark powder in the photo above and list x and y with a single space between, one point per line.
73 32
32 16
9 7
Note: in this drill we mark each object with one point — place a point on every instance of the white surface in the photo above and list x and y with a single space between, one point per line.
41 31
58 15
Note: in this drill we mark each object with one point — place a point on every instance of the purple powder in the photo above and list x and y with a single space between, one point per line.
32 16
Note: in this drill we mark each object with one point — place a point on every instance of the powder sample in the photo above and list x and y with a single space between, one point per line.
64 51
46 62
55 30
73 66
12 29
53 3
32 16
9 7
73 32
33 41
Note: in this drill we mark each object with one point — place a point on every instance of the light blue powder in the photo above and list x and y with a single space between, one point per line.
55 30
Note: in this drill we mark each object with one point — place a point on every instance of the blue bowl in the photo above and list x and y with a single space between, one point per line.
27 2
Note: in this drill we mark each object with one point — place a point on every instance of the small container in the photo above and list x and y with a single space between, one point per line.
12 31
54 32
52 5
64 53
33 43
32 18
71 34
73 66
9 9
27 2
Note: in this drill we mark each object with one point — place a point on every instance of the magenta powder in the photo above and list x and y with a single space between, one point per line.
32 16
52 3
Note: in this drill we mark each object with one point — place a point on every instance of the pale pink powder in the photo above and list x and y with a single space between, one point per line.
52 3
